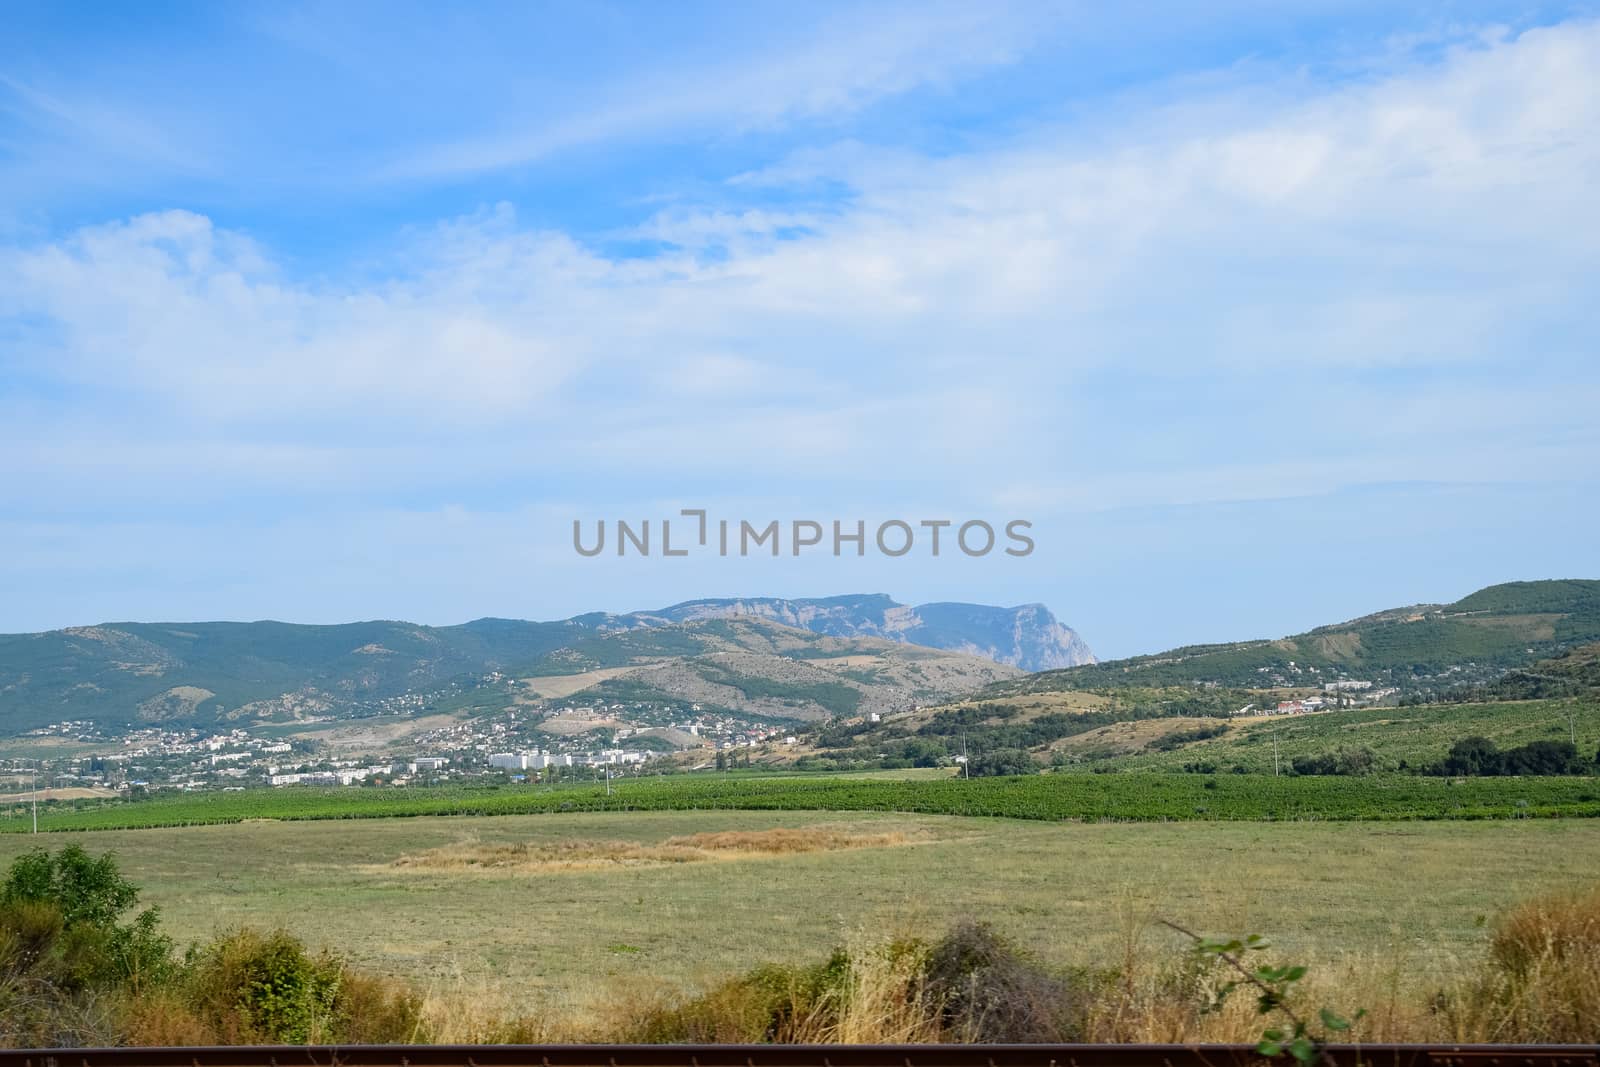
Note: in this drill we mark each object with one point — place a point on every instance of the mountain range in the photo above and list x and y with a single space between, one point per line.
118 674
799 659
1028 636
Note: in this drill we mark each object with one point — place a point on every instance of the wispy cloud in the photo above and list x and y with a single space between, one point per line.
847 64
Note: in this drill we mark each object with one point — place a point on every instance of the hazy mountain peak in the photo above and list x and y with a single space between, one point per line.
1027 636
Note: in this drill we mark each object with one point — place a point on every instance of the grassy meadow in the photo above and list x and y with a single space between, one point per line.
573 933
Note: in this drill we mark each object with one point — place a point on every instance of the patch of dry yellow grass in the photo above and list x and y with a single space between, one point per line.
783 840
530 856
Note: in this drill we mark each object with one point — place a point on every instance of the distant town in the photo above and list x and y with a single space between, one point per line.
520 746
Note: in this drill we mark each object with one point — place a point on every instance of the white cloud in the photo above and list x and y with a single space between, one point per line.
956 319
73 125
173 311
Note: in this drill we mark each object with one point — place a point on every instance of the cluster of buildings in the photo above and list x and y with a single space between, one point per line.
530 738
352 772
157 757
71 729
1297 707
537 761
1343 694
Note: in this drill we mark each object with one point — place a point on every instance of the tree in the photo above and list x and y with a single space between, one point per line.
1358 760
1001 761
1479 756
1322 763
88 895
85 890
1471 756
1541 757
923 752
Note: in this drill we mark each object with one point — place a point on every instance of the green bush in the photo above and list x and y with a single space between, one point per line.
1346 760
71 973
62 947
86 945
266 988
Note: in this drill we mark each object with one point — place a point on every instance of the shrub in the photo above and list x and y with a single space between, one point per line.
375 1011
1562 928
873 994
1349 761
989 991
264 989
250 987
1544 976
770 1003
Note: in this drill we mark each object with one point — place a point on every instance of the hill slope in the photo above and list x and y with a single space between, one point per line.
124 674
1426 645
760 668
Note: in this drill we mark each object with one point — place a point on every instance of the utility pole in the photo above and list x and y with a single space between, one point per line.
965 774
1275 770
35 779
608 779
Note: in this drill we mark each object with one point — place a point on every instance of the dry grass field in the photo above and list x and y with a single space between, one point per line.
68 793
556 686
570 908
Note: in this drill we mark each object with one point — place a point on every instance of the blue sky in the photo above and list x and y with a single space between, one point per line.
1265 315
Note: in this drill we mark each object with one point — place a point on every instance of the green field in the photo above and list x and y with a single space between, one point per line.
1054 797
1325 891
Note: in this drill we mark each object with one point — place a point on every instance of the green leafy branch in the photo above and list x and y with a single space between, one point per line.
1273 986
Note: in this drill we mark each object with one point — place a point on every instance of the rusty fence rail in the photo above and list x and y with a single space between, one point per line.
792 1056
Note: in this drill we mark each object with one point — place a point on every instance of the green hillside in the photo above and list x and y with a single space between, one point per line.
1572 673
123 674
131 673
1399 738
202 674
1426 646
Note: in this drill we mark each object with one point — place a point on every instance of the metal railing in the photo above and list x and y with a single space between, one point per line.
793 1056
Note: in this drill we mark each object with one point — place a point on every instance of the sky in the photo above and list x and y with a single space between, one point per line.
1263 315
